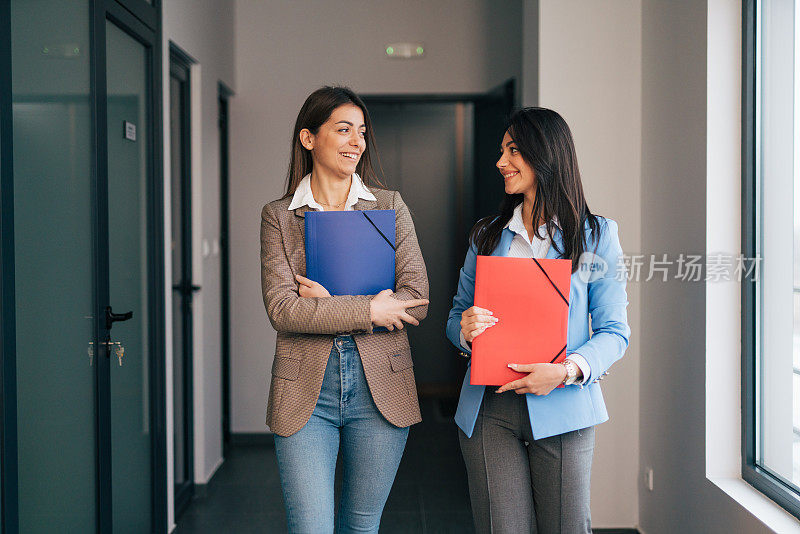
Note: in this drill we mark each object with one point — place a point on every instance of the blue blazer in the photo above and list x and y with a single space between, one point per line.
595 290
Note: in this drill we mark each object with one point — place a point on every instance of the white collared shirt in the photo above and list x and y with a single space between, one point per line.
538 247
520 246
304 197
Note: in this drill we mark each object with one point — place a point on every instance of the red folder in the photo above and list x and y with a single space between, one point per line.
530 297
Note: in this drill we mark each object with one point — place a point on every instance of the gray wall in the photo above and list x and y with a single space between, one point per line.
672 399
285 50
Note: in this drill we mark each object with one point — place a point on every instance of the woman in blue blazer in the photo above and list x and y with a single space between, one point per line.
528 445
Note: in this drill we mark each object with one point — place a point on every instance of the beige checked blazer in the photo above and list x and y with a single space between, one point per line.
306 326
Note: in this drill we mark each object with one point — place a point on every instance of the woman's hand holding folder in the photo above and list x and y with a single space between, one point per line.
474 321
390 312
384 310
542 378
310 288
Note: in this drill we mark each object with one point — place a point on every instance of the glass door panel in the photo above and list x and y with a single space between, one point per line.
129 135
55 289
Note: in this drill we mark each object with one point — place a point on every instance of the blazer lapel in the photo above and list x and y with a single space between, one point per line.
557 239
505 243
364 204
300 219
296 246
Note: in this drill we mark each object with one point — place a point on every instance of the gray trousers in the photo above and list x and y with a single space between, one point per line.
520 485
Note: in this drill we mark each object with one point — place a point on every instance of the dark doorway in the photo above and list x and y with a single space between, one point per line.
439 151
183 288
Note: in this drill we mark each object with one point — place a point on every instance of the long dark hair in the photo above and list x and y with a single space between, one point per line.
316 110
545 143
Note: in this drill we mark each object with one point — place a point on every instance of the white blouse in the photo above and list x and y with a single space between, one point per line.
304 197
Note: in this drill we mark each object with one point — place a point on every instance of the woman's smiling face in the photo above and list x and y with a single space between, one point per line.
337 146
518 176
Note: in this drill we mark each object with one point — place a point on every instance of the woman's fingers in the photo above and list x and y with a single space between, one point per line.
414 302
475 333
523 367
304 281
473 325
481 318
514 384
409 319
475 310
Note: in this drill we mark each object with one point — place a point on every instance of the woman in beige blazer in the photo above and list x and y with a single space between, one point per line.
336 384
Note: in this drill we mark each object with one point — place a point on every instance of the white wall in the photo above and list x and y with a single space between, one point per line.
284 51
589 70
204 30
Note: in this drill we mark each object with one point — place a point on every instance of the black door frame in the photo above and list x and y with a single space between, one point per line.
9 519
180 65
224 93
141 21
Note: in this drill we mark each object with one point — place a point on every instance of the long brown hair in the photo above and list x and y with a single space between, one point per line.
316 110
545 143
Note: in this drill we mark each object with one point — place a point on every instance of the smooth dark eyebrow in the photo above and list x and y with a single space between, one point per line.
350 123
508 144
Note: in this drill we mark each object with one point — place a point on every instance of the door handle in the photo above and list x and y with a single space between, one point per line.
111 317
185 288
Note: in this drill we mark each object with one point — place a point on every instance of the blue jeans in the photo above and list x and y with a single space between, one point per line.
345 417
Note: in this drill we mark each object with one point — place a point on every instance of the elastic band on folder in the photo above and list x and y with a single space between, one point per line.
562 298
382 234
551 281
559 354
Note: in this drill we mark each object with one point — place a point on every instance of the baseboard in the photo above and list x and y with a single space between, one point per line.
244 438
615 531
201 490
252 438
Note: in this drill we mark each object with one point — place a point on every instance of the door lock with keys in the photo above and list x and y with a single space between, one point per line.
119 350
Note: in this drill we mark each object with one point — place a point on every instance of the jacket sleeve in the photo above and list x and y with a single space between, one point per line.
463 299
286 309
608 301
411 276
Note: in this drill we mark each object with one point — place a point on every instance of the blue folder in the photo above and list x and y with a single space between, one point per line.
351 252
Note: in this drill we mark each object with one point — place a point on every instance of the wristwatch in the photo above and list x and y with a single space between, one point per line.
572 372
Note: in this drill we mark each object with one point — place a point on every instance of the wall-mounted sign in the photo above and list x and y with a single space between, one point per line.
130 130
405 50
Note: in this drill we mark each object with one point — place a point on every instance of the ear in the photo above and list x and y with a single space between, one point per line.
307 139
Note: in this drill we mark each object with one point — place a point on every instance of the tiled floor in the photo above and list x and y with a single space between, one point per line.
429 494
